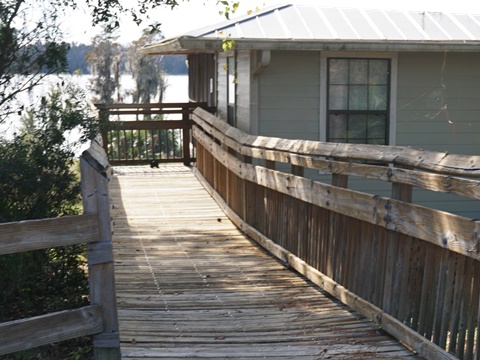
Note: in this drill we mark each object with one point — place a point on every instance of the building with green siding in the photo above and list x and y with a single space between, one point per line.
344 75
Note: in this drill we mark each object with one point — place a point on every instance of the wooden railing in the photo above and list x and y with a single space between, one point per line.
93 228
135 134
413 270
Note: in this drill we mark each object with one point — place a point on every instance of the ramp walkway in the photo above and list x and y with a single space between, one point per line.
190 285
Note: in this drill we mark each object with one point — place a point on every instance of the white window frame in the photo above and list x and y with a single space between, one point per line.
393 56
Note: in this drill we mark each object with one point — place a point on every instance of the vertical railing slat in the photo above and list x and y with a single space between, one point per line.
186 139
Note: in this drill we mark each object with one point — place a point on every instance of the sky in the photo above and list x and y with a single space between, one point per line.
195 14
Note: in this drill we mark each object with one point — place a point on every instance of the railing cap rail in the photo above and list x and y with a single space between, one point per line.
439 162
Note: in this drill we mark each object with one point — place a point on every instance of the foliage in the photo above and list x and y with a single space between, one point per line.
104 59
146 70
108 12
229 7
228 45
35 177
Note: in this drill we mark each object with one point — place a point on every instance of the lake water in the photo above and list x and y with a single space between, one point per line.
176 91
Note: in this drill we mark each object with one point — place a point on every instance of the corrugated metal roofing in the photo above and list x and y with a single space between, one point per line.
307 22
320 28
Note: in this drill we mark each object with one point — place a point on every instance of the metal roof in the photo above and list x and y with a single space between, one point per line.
307 25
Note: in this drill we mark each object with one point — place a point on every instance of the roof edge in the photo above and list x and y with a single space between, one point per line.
188 45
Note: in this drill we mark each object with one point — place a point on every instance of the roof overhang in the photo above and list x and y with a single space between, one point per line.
192 45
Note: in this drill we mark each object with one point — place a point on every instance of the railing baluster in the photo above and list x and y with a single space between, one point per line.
132 143
186 139
166 140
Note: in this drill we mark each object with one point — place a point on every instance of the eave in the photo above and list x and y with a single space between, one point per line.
192 45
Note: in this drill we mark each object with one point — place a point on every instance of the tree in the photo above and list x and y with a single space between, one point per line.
24 59
37 180
108 12
31 41
36 177
104 59
146 70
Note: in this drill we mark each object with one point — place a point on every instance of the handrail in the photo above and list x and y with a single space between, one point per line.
412 269
136 133
93 228
285 149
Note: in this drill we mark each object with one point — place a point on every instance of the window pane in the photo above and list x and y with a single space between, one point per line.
377 97
337 127
337 97
338 71
377 129
358 97
359 72
357 129
378 72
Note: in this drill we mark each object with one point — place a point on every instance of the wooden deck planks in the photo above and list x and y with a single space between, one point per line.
190 284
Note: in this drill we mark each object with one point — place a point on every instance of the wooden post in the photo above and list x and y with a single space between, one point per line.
94 173
186 139
336 227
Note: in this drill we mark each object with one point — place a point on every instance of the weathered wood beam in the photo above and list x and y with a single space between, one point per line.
46 329
46 233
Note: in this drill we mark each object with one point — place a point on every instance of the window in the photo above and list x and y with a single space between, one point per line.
358 106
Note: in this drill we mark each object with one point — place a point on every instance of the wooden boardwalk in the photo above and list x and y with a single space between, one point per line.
191 285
